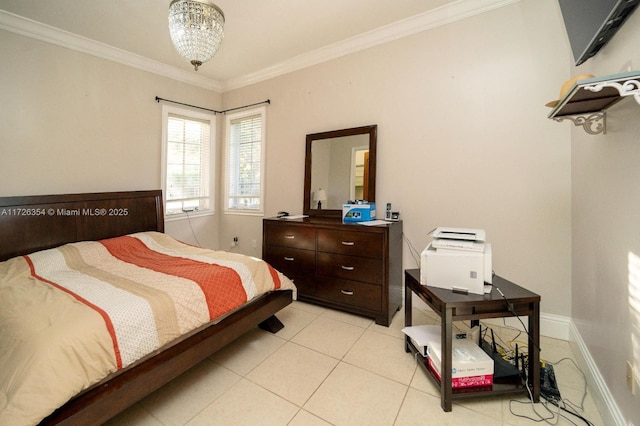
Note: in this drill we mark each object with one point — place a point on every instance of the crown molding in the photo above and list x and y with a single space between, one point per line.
39 31
443 15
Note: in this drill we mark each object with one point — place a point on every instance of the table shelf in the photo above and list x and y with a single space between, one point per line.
511 300
468 392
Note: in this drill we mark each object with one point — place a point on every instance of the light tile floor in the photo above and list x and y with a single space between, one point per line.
331 368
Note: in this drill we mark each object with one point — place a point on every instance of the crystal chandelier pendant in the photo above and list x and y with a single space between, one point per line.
196 29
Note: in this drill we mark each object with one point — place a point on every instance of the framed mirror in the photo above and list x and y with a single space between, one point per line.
340 165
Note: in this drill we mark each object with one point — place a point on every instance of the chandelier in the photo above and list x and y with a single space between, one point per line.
196 29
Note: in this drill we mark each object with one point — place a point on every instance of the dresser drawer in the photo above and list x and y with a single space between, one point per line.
291 236
365 244
351 293
356 268
352 268
298 265
291 261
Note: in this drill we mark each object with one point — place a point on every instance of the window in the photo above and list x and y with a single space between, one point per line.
244 186
187 161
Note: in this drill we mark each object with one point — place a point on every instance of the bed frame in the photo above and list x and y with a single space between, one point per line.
32 223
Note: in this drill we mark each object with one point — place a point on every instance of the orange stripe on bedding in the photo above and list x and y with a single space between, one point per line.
105 316
221 286
275 277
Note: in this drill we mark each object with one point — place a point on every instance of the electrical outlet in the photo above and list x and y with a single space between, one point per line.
254 243
631 380
234 242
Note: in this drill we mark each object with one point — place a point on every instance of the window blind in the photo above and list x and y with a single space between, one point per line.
188 154
245 157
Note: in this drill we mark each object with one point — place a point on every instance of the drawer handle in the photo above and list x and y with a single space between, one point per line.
289 259
347 292
348 243
290 237
347 268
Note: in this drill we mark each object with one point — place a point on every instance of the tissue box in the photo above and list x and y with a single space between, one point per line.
358 212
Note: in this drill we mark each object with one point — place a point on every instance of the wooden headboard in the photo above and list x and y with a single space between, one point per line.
39 222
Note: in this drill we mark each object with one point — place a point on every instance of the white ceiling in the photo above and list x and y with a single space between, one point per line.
261 36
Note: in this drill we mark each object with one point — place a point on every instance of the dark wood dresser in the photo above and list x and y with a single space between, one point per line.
352 267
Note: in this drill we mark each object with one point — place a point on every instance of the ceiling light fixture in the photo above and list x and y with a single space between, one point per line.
196 29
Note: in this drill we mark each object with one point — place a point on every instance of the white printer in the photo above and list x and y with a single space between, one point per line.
458 259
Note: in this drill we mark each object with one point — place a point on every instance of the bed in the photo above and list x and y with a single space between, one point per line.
36 229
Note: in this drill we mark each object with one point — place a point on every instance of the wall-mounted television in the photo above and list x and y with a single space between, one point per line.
590 24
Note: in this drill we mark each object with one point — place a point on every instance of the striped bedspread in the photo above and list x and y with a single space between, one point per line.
72 315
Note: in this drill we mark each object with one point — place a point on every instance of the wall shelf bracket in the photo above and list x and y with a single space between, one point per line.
626 88
586 102
593 124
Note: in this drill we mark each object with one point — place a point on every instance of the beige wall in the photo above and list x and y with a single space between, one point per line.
463 138
71 123
463 141
606 227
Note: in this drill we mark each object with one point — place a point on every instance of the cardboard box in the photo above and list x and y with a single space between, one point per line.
464 382
358 212
426 339
468 359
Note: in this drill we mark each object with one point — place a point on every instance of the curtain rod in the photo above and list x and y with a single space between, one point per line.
268 101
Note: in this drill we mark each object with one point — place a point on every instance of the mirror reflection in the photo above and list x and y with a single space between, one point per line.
340 166
338 169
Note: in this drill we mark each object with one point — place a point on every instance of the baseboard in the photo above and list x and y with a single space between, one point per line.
563 328
609 411
553 326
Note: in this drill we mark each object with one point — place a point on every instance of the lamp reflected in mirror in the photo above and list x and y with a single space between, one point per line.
320 196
